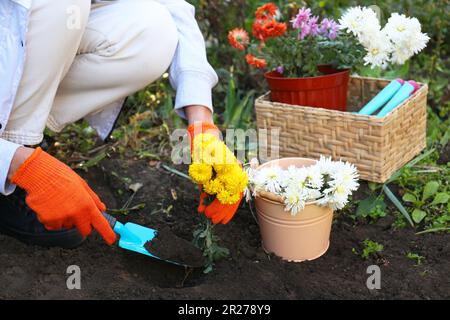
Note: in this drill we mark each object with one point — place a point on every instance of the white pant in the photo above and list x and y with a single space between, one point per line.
73 72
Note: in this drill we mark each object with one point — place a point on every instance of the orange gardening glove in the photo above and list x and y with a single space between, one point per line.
221 213
61 198
216 211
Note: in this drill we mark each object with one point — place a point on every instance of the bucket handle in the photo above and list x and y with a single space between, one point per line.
271 196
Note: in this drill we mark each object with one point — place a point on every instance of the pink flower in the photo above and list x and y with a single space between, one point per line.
279 69
305 31
329 28
302 17
332 34
324 26
314 26
309 28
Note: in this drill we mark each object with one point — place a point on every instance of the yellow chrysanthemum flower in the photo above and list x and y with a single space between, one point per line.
204 139
226 197
200 172
235 180
213 186
203 150
217 169
222 169
223 156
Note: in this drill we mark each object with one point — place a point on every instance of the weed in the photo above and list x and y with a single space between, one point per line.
371 248
208 242
372 207
425 197
416 257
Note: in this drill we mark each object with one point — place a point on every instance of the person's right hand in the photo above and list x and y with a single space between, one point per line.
60 197
216 211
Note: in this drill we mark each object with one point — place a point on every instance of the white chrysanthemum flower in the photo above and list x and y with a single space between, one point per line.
313 194
357 19
345 175
332 203
367 34
295 178
343 181
399 40
269 179
406 36
329 182
335 197
326 165
294 200
399 26
292 170
404 50
328 201
314 178
378 51
418 42
400 54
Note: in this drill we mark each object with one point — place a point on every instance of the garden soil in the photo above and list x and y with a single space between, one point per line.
169 247
248 273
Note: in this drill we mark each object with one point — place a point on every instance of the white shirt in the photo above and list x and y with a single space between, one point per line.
190 73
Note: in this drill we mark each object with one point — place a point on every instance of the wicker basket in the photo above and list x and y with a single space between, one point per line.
377 146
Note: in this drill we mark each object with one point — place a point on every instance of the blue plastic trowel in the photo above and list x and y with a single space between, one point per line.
137 238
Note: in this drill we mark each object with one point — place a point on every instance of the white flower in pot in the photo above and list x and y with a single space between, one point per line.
295 199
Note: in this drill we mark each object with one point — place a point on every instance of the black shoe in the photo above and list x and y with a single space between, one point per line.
19 221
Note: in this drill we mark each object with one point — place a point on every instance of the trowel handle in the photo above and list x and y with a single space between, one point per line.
111 220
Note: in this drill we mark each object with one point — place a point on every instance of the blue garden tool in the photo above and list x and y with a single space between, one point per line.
408 88
382 97
136 238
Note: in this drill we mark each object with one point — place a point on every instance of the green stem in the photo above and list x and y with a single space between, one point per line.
433 230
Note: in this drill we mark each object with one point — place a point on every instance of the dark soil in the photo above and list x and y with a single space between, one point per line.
444 157
169 247
112 273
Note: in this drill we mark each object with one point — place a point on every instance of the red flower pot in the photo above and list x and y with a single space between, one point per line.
328 91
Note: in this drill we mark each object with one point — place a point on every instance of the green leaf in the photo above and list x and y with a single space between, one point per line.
93 161
220 253
240 109
246 113
395 176
419 158
367 205
373 186
441 198
418 215
414 256
430 190
208 269
410 164
433 230
409 197
398 204
230 100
